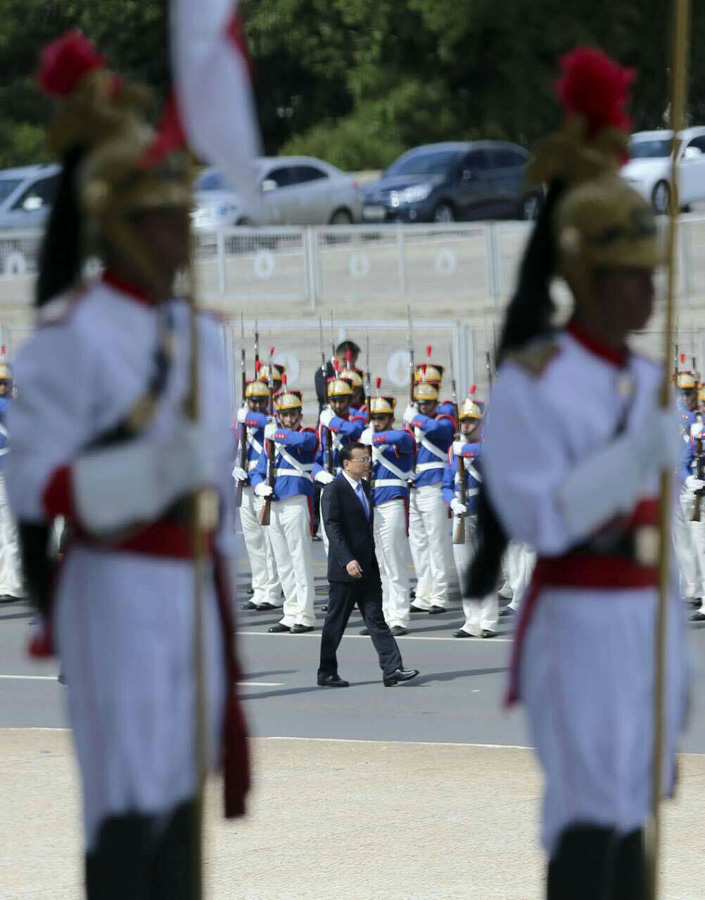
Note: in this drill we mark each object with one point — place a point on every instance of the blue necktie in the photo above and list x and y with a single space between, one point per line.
363 499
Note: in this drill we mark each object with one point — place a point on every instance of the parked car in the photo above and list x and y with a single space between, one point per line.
296 190
649 167
26 196
453 181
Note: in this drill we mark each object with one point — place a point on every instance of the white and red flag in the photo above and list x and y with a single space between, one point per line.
213 88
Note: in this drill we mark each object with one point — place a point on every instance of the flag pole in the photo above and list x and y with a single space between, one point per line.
679 72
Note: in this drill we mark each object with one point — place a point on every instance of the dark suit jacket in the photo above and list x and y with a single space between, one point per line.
350 531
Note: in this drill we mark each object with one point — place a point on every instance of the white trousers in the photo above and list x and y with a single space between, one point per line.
429 542
519 561
10 566
392 547
265 582
689 547
289 533
480 615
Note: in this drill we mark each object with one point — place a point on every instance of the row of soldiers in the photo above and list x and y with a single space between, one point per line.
425 473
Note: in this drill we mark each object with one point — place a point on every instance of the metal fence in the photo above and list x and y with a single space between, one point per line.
323 266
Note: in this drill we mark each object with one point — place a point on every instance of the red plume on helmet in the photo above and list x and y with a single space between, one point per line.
596 87
429 350
473 388
378 381
66 61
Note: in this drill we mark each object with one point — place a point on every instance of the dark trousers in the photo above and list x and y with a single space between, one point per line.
367 594
317 490
594 863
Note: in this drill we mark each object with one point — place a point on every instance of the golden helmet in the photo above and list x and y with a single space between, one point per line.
353 376
382 406
701 394
686 381
278 372
339 387
471 409
256 388
287 400
430 373
425 393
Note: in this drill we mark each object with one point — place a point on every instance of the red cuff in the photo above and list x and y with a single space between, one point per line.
58 494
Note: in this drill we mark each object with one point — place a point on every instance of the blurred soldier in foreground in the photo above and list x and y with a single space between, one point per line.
100 436
265 581
392 466
285 477
480 615
11 587
583 490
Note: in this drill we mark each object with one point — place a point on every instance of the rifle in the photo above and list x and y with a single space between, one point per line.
410 347
243 432
324 372
266 513
459 524
368 377
699 471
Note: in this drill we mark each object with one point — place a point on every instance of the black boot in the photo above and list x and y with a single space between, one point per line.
629 879
582 866
119 865
173 873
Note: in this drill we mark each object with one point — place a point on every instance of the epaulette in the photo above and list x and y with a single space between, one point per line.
535 358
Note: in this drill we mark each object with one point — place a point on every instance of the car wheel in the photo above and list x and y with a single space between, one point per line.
341 217
243 222
661 198
444 212
530 208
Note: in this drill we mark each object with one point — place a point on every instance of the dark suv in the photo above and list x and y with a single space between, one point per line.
453 181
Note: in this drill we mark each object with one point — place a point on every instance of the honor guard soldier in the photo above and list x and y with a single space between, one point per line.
285 478
11 587
429 533
334 431
392 466
265 581
460 493
573 456
278 373
100 436
358 411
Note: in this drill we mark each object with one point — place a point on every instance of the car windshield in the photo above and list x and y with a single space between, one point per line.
7 186
213 180
436 162
651 149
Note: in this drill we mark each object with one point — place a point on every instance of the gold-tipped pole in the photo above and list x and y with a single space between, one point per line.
679 73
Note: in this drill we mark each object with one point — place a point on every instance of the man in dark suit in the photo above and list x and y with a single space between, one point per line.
353 572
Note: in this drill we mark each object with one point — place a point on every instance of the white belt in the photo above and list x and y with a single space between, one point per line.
252 464
254 443
435 451
471 470
301 468
426 467
278 473
386 464
388 482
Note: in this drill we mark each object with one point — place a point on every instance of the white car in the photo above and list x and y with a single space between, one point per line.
649 167
296 190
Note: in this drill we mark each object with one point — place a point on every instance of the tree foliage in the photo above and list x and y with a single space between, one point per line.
359 81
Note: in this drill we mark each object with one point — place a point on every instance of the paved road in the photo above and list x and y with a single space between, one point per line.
457 699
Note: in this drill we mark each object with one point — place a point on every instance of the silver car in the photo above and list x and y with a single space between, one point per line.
26 197
296 190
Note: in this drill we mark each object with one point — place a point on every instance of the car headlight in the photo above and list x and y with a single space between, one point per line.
415 194
221 214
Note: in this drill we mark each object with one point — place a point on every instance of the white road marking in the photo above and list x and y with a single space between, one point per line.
283 737
408 637
54 678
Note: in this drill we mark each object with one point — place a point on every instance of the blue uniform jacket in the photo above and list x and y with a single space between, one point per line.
254 423
432 447
292 475
343 431
394 448
471 456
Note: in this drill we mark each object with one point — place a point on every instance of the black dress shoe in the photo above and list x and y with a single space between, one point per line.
268 606
250 591
9 598
332 681
400 675
417 609
249 605
302 629
462 633
488 633
507 611
317 538
399 630
365 631
279 629
324 608
698 617
412 594
437 610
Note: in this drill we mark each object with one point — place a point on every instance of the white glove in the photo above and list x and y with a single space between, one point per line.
458 447
366 437
239 474
377 453
410 413
242 414
135 482
693 483
324 477
270 431
264 490
458 508
326 416
696 430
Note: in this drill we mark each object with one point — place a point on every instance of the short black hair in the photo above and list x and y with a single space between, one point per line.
346 450
347 345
